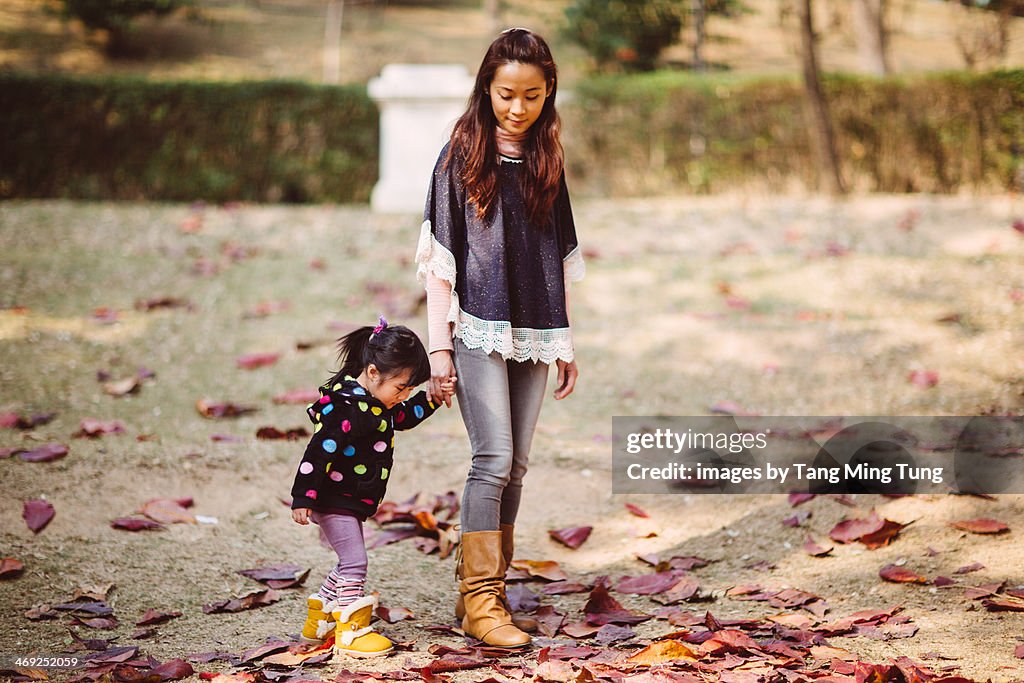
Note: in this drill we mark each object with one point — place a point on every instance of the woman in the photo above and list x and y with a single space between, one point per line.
496 251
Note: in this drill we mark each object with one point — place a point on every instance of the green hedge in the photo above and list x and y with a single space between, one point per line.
133 139
672 132
655 133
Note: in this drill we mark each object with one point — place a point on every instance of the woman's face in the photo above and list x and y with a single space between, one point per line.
517 95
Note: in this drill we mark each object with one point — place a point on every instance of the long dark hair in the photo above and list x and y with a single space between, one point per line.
393 349
473 140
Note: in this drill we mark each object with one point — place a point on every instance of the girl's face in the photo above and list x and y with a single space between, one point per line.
517 94
388 390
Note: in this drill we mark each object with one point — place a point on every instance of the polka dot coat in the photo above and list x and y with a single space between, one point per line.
348 461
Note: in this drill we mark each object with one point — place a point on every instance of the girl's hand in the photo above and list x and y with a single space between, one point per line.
567 374
448 388
442 371
301 515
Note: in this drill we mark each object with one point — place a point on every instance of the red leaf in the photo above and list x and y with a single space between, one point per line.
1000 603
153 617
601 608
923 378
11 568
298 396
257 360
247 601
636 510
15 421
161 302
393 615
850 530
212 409
684 589
544 569
37 514
942 581
45 453
92 428
135 524
647 584
564 588
889 531
572 537
167 511
797 518
981 526
967 569
812 548
891 572
1018 651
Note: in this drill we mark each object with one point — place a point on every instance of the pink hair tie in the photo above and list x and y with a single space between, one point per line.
381 324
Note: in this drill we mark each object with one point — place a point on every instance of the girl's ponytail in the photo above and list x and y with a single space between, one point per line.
391 348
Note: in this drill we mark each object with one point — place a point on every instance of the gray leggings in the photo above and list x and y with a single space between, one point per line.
499 401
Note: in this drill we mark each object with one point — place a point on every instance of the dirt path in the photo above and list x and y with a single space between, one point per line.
793 306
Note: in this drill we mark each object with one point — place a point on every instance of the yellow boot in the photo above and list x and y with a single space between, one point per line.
483 579
523 622
353 635
319 624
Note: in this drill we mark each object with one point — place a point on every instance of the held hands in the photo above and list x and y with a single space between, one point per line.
567 375
301 515
441 386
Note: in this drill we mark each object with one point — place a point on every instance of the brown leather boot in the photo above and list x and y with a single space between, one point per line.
483 579
521 621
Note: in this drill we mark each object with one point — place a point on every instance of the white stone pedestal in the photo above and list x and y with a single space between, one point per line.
419 104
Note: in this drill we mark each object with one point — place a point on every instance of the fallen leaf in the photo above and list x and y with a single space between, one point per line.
663 651
213 409
812 548
44 453
298 396
93 428
981 526
924 379
564 588
11 568
545 569
601 608
883 536
647 584
732 408
167 511
611 633
684 589
252 361
580 629
1018 651
636 510
943 581
1000 603
247 601
549 620
135 524
572 537
37 514
152 617
521 598
122 387
16 421
850 530
967 569
161 302
393 615
266 308
797 519
891 572
273 433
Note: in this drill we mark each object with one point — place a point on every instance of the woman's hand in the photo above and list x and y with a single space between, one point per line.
442 371
567 375
301 515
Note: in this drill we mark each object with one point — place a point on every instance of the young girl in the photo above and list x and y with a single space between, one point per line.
344 471
496 251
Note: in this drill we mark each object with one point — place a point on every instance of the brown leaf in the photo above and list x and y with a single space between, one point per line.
1018 651
883 536
572 537
153 617
393 615
167 511
661 652
44 453
11 568
850 530
273 433
798 498
161 302
891 572
684 589
544 569
122 387
247 601
812 548
967 569
549 620
252 361
172 670
647 584
601 608
92 428
580 629
298 396
212 409
636 510
981 526
797 518
564 588
135 524
37 514
1003 603
16 421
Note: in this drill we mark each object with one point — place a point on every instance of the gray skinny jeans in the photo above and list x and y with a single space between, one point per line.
500 401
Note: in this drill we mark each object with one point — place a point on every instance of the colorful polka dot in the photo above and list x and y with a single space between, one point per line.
328 409
367 501
306 467
418 411
330 445
359 469
431 404
363 406
380 446
349 451
311 494
317 427
360 391
337 386
400 417
346 426
325 399
384 473
336 476
383 426
376 410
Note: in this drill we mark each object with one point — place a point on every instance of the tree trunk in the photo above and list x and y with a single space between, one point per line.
816 106
699 34
332 41
492 12
870 30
